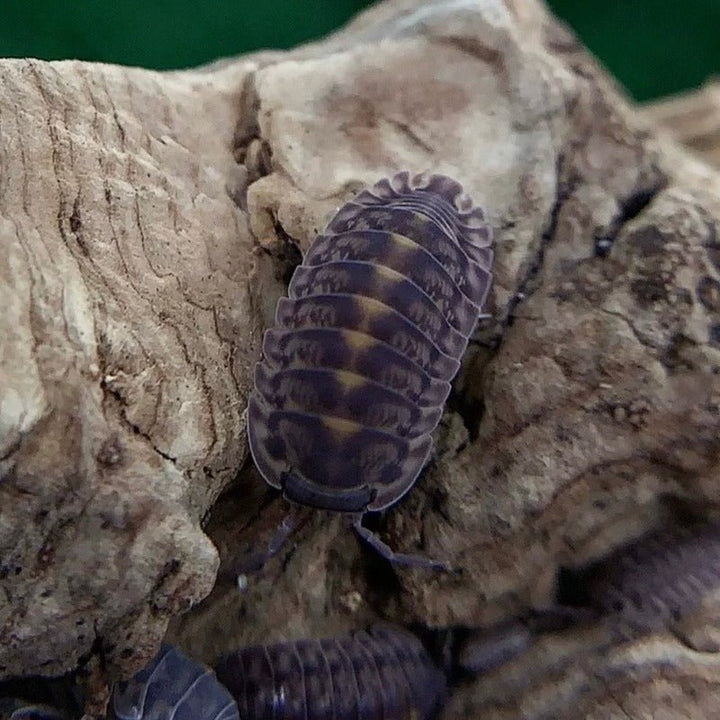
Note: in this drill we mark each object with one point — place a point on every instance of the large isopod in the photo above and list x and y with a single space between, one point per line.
356 371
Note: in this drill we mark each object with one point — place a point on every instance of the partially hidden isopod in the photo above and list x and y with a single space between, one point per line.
41 698
38 712
382 674
487 649
172 687
357 369
656 579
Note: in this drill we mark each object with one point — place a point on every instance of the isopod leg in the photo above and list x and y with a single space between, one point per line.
389 554
255 559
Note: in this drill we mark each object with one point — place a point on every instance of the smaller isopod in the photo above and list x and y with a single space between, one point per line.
38 712
384 673
172 687
656 579
41 698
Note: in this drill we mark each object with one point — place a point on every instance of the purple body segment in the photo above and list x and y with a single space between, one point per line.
357 369
472 280
338 393
381 674
172 687
425 208
405 257
392 289
439 199
658 578
355 352
355 312
403 221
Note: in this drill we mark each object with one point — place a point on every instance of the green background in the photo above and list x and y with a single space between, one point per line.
654 47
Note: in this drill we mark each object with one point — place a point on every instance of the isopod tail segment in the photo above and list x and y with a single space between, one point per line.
357 369
354 504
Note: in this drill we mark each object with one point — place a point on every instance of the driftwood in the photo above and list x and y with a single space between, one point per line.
148 222
693 119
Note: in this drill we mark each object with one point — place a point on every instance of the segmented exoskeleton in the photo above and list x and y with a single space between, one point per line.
358 366
172 687
382 674
656 579
38 712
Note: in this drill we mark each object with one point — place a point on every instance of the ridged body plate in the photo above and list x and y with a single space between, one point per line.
172 686
381 674
659 577
372 317
391 288
346 395
338 348
406 257
353 455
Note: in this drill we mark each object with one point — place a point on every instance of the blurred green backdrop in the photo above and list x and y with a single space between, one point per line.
655 47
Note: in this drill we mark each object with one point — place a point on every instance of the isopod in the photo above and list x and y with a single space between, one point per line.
356 371
41 698
656 579
485 650
38 712
384 673
172 687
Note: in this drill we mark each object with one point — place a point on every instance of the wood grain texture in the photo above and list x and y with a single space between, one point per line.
124 271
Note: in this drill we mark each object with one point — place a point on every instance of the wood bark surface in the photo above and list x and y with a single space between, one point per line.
148 223
692 118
